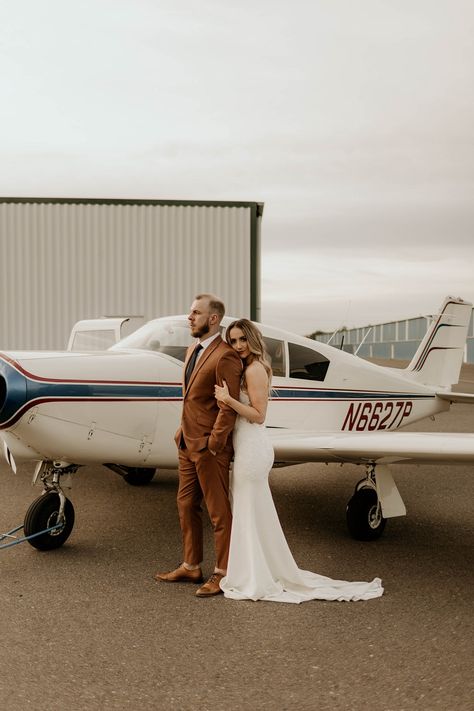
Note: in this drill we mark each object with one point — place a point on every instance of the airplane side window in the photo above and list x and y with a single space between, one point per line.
307 364
276 354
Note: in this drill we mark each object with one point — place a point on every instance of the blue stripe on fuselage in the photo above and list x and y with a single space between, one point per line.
72 391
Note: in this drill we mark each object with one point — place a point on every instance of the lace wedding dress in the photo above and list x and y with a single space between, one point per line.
261 566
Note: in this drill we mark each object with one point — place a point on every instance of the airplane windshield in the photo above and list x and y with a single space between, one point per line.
170 337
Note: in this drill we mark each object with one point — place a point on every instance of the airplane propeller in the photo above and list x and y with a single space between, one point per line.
9 457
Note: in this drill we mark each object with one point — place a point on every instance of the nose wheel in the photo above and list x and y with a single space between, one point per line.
50 518
45 513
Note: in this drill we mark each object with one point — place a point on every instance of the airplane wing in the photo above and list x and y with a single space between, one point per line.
381 447
466 398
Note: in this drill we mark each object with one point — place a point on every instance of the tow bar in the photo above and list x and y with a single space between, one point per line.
11 534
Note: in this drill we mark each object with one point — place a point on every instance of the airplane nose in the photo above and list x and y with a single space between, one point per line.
3 391
12 391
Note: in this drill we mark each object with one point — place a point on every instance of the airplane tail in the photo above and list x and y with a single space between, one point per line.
439 357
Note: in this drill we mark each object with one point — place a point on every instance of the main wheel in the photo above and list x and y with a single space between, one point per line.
364 515
137 476
42 514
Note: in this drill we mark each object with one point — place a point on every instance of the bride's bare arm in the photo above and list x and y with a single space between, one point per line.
257 389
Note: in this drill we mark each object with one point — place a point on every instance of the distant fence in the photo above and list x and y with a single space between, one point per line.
394 340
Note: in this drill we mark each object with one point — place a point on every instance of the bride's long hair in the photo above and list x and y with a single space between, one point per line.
256 347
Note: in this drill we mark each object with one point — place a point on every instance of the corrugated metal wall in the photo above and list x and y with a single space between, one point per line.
61 262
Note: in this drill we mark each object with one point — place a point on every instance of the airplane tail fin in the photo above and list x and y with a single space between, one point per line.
439 357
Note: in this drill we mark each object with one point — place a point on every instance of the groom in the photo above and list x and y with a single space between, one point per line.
204 442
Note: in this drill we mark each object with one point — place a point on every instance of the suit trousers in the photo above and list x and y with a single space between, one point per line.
202 474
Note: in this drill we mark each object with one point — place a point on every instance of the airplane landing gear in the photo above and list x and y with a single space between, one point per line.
136 476
364 511
45 513
51 513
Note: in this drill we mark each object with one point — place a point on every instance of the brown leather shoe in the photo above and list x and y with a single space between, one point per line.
211 587
181 575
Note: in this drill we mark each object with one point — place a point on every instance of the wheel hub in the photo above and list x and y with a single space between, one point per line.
53 521
375 516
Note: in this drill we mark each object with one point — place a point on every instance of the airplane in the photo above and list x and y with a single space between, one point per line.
121 406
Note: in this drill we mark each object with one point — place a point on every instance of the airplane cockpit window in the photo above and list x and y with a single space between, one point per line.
169 337
276 354
307 364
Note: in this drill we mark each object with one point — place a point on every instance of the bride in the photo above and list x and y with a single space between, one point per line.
261 566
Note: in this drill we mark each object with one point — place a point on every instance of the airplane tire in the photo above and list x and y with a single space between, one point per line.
42 514
139 476
364 519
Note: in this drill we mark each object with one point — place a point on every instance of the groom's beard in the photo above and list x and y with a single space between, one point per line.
201 331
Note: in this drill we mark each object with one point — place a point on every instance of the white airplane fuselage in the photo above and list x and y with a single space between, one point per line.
124 405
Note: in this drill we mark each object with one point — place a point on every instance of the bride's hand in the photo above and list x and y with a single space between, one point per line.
222 393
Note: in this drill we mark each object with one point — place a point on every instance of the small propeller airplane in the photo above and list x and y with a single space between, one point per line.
120 407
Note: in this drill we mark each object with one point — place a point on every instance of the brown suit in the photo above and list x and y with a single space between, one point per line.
205 425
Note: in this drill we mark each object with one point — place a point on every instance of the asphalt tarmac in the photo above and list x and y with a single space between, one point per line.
85 627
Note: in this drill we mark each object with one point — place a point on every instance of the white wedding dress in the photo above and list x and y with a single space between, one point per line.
261 566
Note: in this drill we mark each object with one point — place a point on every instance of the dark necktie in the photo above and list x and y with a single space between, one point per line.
191 363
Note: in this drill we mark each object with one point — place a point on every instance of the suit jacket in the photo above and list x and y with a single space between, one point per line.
205 423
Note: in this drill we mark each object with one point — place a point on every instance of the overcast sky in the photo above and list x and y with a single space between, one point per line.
352 121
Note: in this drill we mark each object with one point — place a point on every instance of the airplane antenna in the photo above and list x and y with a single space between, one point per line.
338 329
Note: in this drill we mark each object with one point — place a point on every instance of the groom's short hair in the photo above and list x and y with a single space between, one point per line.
216 305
